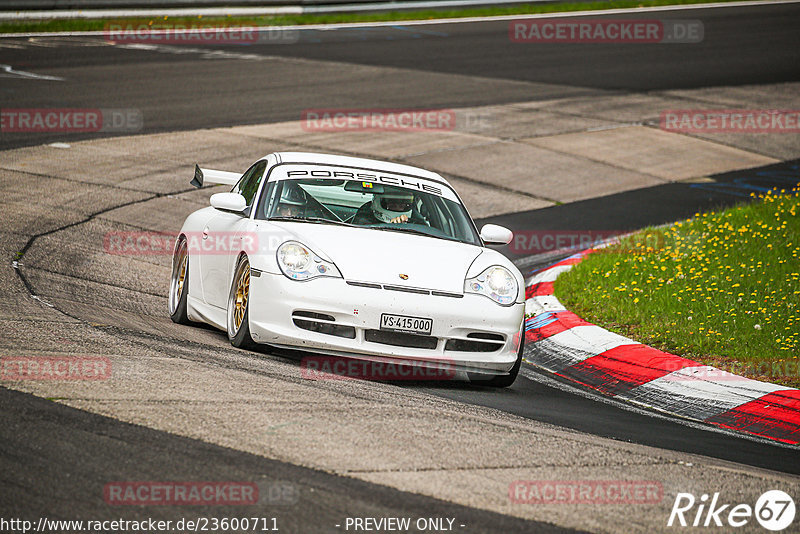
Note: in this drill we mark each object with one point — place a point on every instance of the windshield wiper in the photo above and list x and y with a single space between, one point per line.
319 220
420 232
409 230
324 220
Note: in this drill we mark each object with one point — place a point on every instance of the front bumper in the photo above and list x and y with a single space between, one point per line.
278 305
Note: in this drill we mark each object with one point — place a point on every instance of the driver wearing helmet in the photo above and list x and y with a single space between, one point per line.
292 202
391 206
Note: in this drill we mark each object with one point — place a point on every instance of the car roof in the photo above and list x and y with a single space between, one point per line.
349 161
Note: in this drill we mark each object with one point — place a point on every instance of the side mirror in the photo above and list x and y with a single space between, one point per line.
228 202
493 234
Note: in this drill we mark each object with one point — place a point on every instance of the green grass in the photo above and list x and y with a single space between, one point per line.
722 288
54 25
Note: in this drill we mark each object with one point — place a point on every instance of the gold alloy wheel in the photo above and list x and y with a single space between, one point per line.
240 298
179 270
181 278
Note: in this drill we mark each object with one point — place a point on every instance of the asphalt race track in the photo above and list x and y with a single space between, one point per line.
53 454
741 46
99 448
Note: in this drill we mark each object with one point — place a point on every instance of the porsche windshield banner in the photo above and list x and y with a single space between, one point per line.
366 176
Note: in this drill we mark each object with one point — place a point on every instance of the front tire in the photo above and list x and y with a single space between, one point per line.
179 284
503 381
239 307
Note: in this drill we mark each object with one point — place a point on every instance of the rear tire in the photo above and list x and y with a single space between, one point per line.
239 307
503 381
179 284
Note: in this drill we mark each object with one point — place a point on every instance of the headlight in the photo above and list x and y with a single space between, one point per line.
298 262
496 282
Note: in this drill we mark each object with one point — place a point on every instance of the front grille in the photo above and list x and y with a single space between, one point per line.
400 339
364 284
416 290
408 290
447 294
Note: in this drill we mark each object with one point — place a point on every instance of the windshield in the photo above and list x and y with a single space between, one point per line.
367 204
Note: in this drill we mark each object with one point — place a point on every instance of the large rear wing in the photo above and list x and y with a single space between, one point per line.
210 176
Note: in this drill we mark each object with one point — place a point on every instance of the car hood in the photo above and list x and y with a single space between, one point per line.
381 256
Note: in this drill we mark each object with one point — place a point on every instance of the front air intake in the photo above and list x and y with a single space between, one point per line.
322 323
400 339
476 342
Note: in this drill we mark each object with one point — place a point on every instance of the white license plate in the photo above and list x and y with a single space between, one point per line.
404 323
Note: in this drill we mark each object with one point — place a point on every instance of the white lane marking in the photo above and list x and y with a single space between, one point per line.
543 303
699 392
543 377
701 375
550 274
463 20
55 42
205 53
572 347
9 72
546 354
591 339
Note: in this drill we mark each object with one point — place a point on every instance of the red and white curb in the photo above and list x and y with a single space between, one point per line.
562 343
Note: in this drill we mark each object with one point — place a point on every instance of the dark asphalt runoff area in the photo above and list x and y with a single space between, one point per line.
69 456
178 89
185 91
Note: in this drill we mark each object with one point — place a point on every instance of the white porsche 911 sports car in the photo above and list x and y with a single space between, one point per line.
350 257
